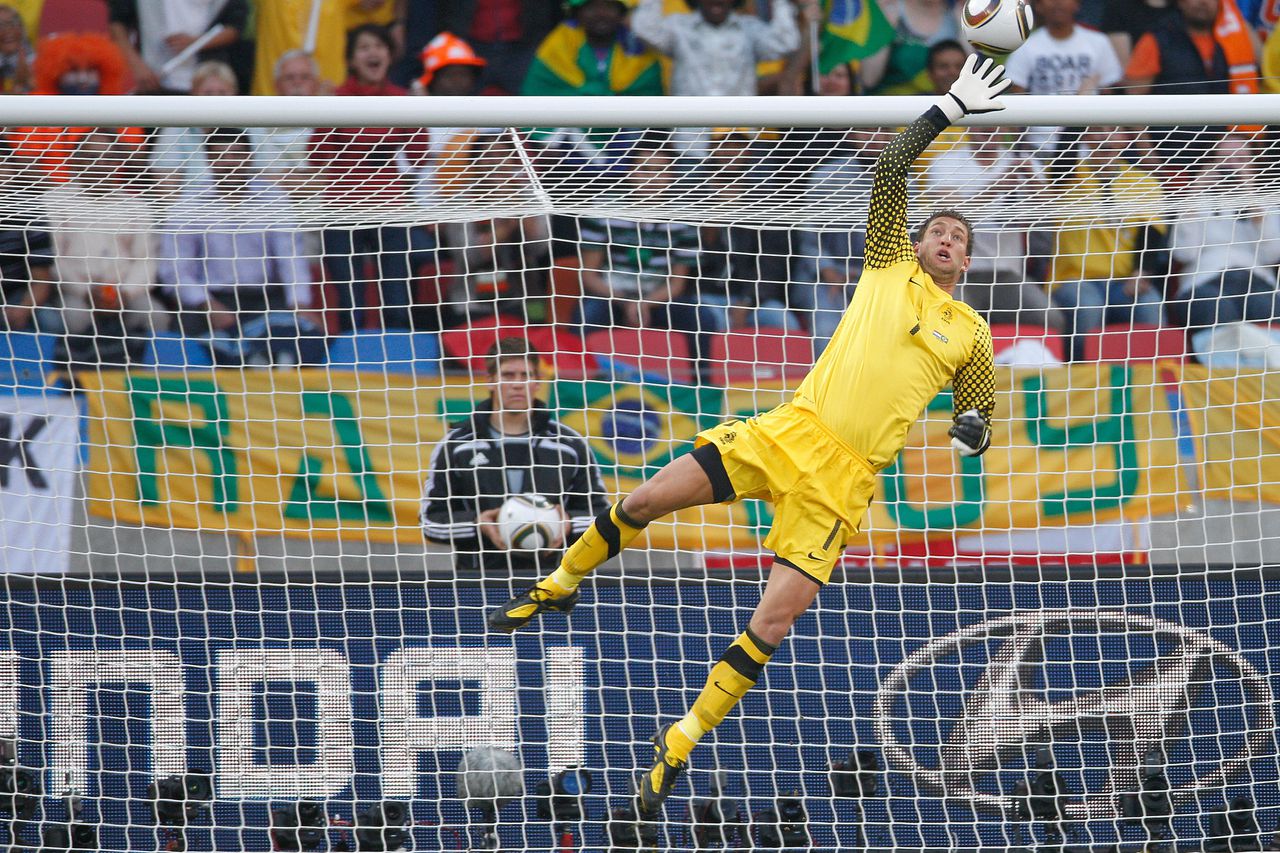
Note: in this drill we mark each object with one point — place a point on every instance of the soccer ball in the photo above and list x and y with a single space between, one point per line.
529 522
996 26
487 774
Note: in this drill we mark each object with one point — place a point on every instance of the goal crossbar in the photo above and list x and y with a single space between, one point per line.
322 111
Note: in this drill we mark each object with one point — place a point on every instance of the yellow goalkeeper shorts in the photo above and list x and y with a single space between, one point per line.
819 486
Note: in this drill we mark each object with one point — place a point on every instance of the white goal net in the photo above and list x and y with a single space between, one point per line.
253 442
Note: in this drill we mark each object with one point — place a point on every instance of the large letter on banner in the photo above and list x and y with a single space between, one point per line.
39 461
73 673
406 732
172 413
259 686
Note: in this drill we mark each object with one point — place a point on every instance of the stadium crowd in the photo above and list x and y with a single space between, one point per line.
103 272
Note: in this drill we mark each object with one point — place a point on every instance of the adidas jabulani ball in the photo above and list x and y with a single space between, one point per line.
529 522
996 26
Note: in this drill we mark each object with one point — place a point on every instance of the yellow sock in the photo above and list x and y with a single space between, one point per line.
612 531
733 675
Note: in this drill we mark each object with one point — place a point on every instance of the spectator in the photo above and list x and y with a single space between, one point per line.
1126 21
26 255
283 152
497 266
233 258
1227 256
510 445
1203 49
744 269
450 68
104 236
1110 272
152 34
1271 63
282 30
1061 58
16 54
69 64
983 172
505 33
900 68
714 49
638 273
943 61
594 53
384 13
178 153
368 165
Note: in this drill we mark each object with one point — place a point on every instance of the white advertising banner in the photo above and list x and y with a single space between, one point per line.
39 461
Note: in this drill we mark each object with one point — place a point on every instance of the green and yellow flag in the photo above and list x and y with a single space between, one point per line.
854 30
566 65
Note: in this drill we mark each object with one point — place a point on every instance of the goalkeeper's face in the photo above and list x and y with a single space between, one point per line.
515 385
942 250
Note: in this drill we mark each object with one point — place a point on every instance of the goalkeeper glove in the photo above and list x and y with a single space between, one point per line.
976 90
970 435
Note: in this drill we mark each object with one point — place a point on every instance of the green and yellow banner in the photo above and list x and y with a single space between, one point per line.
327 453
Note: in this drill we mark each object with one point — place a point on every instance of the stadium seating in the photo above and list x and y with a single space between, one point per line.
172 350
62 16
1005 335
1123 342
468 344
657 353
766 353
389 351
26 362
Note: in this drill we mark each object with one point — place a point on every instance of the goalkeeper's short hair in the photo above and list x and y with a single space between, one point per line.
948 214
513 346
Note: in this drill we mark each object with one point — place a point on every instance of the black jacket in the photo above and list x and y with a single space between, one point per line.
474 469
1182 68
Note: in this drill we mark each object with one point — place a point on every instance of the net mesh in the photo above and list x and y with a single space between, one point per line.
242 476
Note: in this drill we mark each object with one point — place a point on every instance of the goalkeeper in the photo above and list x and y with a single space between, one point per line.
902 339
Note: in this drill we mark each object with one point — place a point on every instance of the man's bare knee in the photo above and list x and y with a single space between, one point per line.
773 624
641 505
681 483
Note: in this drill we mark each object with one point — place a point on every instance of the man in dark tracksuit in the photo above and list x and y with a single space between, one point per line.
511 445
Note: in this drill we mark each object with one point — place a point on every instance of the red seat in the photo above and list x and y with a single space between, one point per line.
468 344
656 351
566 288
67 16
1005 335
1122 342
766 353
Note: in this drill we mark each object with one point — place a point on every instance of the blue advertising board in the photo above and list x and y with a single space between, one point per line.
358 692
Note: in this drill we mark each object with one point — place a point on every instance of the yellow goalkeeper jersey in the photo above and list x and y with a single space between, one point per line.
902 338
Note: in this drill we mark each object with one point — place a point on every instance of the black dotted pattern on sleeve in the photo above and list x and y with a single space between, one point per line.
975 383
888 241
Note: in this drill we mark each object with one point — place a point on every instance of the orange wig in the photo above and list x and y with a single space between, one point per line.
58 54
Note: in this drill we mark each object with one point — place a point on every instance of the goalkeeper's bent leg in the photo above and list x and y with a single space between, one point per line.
683 482
611 532
787 595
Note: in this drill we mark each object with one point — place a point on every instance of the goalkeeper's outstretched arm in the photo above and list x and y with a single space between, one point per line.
888 240
974 398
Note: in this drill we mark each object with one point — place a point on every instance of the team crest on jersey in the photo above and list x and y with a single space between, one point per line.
728 437
946 314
